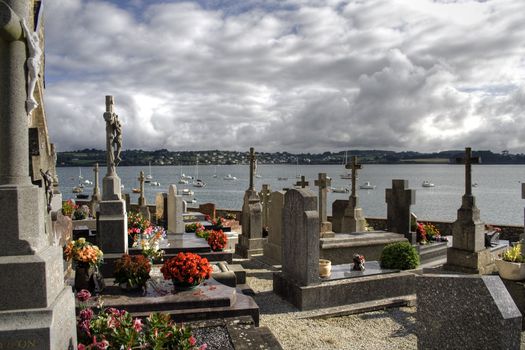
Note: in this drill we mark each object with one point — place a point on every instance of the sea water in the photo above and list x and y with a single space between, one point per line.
498 190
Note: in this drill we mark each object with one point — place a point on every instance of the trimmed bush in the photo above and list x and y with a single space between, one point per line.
400 255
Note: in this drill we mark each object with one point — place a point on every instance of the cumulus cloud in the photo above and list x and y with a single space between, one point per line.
288 76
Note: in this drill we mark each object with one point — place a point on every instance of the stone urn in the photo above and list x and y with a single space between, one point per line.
511 270
325 268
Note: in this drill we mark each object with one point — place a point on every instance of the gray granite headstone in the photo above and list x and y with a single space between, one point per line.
175 220
300 237
338 211
272 248
466 312
264 195
161 209
37 311
399 199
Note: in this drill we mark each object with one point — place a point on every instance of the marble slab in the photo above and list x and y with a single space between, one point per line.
344 271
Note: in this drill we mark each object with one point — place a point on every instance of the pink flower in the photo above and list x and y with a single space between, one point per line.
83 295
203 346
86 327
86 314
192 340
137 324
81 346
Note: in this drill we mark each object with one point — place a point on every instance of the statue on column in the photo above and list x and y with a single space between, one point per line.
114 140
33 64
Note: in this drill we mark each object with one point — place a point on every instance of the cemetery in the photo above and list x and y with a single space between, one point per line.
104 271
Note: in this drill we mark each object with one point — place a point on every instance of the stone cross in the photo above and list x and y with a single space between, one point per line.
323 182
468 161
252 159
142 200
303 183
354 166
96 189
399 199
265 202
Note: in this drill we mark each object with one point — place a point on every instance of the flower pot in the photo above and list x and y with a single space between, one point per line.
184 286
325 268
510 270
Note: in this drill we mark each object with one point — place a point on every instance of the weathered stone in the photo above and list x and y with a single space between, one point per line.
338 211
398 199
264 196
112 227
466 312
175 221
208 209
325 227
161 209
272 248
300 237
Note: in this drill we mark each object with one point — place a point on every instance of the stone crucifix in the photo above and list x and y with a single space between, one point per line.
142 199
468 161
264 195
252 159
303 183
113 136
354 165
323 182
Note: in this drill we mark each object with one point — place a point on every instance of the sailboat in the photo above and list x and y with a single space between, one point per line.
347 175
80 177
256 175
149 177
215 171
297 176
198 182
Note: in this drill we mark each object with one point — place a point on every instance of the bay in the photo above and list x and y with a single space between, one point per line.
498 194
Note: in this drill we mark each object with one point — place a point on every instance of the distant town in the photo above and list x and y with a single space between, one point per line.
88 157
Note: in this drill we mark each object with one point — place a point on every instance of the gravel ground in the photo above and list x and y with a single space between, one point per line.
390 329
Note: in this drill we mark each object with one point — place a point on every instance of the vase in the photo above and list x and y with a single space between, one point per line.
510 270
184 286
88 277
325 268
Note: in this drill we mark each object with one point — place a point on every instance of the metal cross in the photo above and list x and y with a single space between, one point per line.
354 166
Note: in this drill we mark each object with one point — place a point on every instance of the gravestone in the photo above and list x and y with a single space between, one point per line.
338 212
37 310
95 197
353 219
175 221
303 183
143 205
264 195
300 237
465 312
112 221
325 227
398 199
272 248
468 252
207 209
251 240
161 209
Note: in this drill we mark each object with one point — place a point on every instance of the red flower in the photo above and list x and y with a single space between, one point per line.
217 240
186 267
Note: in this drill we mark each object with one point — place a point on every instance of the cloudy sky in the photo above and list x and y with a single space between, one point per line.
298 75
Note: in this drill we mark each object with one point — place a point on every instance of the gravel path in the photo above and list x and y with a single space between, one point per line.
389 329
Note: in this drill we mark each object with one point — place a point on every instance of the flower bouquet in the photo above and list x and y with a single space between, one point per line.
68 207
217 240
186 270
359 262
132 271
86 259
137 224
193 227
149 241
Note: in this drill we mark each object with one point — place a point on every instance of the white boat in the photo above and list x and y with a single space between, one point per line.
187 192
199 183
183 181
154 183
87 182
282 178
186 177
427 183
149 176
339 189
230 177
367 186
258 176
135 190
77 189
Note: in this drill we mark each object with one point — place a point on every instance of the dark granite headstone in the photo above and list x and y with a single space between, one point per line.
338 212
466 312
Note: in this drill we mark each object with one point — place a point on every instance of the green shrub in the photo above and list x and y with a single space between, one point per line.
401 255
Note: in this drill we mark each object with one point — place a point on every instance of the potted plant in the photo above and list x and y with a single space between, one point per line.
86 259
137 224
217 240
186 270
325 268
68 207
149 242
511 266
399 256
132 272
